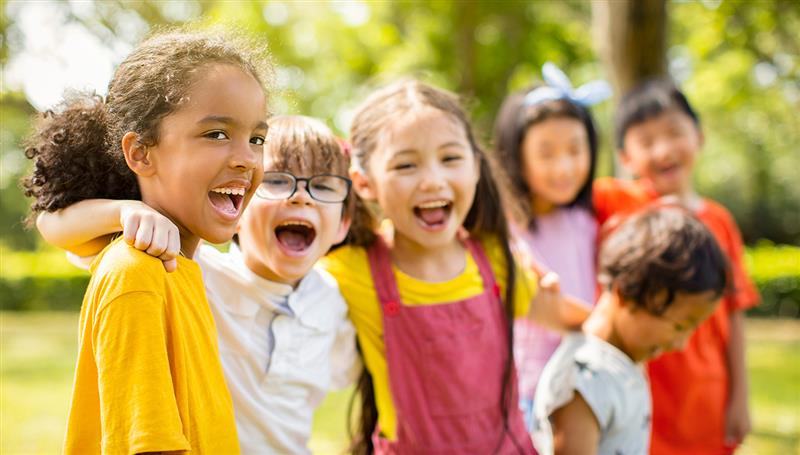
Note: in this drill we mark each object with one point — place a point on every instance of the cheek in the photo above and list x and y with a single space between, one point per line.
582 164
535 173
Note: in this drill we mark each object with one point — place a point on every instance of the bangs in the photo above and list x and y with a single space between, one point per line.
304 146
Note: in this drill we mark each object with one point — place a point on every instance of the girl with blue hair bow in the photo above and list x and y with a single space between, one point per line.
547 141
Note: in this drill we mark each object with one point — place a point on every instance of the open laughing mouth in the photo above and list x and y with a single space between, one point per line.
295 236
433 215
227 201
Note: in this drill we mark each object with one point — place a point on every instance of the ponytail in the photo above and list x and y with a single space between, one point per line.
361 441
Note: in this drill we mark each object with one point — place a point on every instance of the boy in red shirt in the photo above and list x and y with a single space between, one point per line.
699 394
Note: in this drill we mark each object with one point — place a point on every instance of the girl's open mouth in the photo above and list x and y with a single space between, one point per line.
433 215
295 236
227 201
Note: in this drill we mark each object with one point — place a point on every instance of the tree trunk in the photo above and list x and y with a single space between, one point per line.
631 40
630 36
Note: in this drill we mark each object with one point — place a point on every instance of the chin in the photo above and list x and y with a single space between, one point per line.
218 236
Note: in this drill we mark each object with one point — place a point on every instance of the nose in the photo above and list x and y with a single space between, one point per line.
301 195
432 178
564 166
245 156
661 149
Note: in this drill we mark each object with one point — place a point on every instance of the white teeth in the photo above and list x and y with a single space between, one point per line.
236 191
296 223
434 205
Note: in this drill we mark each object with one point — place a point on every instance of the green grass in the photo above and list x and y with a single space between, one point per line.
37 355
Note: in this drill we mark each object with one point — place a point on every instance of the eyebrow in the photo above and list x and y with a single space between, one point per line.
442 146
230 121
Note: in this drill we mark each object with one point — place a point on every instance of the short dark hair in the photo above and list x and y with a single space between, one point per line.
648 100
513 122
662 248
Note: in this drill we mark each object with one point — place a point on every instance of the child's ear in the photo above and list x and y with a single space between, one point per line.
341 233
362 185
137 155
625 160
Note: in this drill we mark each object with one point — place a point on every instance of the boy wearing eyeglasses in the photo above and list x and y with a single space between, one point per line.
284 336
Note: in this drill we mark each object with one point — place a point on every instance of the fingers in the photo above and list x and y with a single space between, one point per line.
550 282
129 228
171 265
169 257
144 235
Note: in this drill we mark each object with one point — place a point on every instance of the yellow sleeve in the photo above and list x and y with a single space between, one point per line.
525 279
138 409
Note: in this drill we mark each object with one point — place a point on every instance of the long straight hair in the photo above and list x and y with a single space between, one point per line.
486 218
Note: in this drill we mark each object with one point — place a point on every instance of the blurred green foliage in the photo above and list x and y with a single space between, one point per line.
45 280
737 60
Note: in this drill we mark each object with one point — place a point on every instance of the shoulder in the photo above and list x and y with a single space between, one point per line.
120 261
712 210
345 262
594 369
321 279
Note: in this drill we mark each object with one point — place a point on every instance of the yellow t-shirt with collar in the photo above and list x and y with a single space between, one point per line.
350 266
148 376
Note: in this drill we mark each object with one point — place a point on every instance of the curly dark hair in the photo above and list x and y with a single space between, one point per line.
76 148
662 251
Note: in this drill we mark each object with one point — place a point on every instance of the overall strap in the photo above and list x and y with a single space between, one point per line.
380 266
484 265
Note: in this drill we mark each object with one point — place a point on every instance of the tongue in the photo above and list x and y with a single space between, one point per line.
433 216
292 240
222 202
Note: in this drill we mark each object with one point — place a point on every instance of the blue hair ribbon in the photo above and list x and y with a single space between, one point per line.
558 87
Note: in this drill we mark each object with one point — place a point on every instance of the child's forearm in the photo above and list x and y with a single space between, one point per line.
737 418
735 354
557 311
573 313
82 228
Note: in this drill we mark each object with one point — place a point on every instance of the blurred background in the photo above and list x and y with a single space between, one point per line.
739 63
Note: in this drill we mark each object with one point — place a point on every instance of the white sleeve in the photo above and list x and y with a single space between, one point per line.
345 361
82 262
599 390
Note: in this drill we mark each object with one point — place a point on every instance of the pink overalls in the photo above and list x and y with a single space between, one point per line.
446 364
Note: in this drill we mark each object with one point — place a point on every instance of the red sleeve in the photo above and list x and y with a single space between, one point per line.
743 293
612 196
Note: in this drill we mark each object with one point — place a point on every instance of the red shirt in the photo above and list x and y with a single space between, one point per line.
690 387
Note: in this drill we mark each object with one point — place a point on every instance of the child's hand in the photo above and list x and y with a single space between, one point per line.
737 422
550 283
147 230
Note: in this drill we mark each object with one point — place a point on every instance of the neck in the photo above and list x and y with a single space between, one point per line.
189 243
600 322
428 264
259 268
189 240
540 207
685 196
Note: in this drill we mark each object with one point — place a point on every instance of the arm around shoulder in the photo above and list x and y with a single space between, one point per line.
86 227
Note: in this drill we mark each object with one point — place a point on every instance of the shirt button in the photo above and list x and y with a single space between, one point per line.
391 308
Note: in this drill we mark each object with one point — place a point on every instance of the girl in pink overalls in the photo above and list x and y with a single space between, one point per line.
432 300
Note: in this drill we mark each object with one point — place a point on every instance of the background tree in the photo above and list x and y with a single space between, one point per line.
738 62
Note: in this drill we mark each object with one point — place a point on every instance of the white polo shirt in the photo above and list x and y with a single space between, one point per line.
282 349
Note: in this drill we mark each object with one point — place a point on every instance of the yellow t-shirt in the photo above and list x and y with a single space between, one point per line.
350 266
148 376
